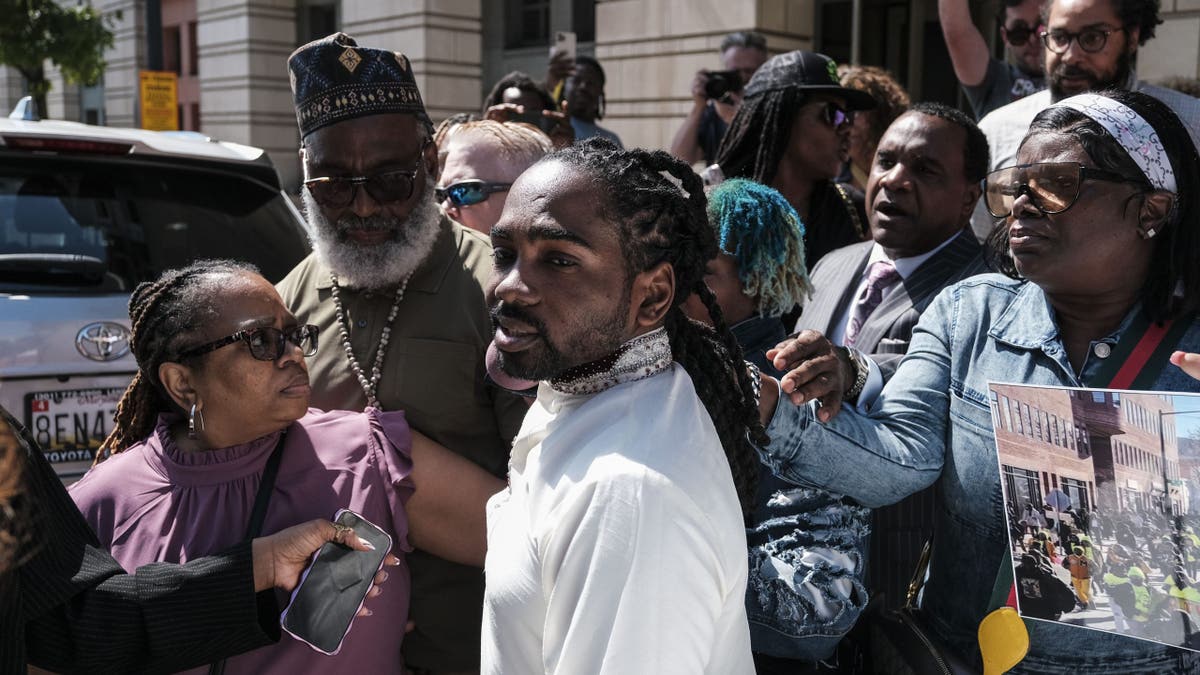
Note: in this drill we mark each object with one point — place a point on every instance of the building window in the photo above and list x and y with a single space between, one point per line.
1097 397
1004 406
195 110
193 50
316 19
1022 487
172 50
527 23
1028 420
1077 491
997 420
1020 424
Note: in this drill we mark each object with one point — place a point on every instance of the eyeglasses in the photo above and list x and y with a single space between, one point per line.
1019 35
335 192
468 192
835 116
1091 40
266 343
1052 187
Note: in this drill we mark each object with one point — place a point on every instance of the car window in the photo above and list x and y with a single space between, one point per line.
87 226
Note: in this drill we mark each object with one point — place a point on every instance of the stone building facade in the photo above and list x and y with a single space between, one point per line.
649 48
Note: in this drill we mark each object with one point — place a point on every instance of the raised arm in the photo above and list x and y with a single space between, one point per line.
968 50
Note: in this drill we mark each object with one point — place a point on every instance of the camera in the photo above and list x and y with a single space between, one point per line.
722 82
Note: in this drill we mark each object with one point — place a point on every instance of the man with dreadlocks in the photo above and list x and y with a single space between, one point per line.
619 544
793 133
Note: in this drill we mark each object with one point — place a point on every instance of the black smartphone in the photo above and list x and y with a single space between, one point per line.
334 587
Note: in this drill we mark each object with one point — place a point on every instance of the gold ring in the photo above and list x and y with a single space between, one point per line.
340 531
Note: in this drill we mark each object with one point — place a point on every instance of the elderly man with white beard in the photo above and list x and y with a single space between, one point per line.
397 291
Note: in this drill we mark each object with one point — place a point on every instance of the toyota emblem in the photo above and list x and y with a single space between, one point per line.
103 341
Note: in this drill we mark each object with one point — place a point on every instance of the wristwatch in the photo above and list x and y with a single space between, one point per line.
861 369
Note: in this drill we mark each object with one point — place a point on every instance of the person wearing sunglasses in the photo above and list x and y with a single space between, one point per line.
1098 248
1091 45
482 159
222 393
988 82
386 265
792 133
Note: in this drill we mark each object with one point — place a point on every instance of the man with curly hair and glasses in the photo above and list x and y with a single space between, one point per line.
1091 45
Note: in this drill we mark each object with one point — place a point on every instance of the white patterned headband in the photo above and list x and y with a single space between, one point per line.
1132 131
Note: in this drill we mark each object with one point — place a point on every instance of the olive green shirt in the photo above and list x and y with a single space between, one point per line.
433 369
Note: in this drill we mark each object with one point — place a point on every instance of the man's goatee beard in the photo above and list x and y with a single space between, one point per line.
374 266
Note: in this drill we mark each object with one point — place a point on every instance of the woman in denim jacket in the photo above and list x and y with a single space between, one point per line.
1088 253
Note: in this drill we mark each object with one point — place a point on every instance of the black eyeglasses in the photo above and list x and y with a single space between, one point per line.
1052 187
266 343
1019 35
396 185
835 116
468 192
1091 40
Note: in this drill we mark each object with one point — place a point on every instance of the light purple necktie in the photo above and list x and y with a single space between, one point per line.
881 275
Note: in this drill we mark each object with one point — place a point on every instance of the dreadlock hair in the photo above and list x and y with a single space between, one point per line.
165 315
583 60
657 223
521 81
758 227
759 135
1173 285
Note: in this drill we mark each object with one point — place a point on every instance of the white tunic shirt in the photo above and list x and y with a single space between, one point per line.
619 545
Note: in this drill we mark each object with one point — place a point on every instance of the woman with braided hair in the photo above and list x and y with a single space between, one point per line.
221 395
619 546
792 133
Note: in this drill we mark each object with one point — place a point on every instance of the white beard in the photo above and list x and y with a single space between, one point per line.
377 265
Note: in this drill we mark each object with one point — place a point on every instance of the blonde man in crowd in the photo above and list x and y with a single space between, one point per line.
481 159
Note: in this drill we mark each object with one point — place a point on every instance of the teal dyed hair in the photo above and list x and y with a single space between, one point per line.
763 233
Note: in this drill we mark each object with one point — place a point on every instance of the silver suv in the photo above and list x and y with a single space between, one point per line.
86 213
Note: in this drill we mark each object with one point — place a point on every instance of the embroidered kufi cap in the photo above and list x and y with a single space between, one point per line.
333 79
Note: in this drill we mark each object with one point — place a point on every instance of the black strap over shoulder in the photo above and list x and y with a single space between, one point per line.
262 500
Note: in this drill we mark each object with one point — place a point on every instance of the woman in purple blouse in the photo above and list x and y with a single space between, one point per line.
221 379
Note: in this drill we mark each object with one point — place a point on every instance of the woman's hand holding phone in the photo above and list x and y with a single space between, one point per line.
280 558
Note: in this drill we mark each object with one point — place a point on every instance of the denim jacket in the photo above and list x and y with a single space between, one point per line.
807 548
932 422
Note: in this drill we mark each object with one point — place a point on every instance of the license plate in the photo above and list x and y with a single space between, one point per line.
71 424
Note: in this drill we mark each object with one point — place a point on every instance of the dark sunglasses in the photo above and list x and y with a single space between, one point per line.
1052 187
835 116
1091 40
266 343
385 187
468 192
1018 36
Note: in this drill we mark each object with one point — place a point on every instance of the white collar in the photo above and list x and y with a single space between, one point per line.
905 266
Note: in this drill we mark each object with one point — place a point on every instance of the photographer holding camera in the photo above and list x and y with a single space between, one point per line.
716 96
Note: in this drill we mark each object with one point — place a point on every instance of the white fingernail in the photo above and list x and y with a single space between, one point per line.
369 545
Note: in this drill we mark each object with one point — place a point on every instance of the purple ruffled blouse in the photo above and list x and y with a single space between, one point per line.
155 502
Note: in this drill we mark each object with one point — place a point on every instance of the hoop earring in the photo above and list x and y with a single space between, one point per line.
194 428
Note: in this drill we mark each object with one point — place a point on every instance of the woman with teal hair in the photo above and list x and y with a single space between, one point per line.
806 546
760 274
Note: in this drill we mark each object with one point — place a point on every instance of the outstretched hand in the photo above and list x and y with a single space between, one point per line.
1189 362
815 369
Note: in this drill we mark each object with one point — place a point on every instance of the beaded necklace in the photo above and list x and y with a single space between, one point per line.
370 385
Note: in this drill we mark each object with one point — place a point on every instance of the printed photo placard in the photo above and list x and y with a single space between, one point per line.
1102 495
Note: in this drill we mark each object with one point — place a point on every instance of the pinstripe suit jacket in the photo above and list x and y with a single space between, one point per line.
69 607
886 333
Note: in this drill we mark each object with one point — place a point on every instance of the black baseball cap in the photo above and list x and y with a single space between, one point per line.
809 72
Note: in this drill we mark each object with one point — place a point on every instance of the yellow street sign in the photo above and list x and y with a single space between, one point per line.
159 98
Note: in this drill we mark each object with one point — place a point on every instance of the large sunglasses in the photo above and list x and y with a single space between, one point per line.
468 192
1020 35
835 116
1091 40
385 187
266 343
1052 187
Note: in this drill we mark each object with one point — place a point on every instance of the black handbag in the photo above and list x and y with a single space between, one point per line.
901 642
261 499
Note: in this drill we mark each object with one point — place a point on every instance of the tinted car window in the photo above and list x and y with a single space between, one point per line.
74 226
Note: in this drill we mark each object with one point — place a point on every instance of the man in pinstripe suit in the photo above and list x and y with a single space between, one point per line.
920 195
